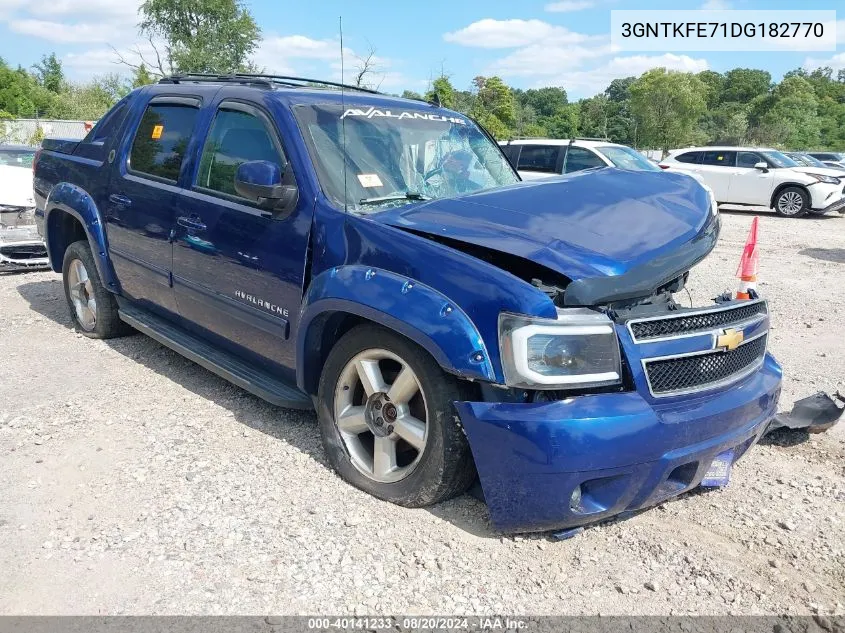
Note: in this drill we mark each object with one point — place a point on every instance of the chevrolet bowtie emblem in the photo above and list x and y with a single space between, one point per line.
729 339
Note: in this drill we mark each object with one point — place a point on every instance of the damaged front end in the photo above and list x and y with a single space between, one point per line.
21 247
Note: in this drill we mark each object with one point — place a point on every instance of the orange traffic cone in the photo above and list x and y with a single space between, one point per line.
749 263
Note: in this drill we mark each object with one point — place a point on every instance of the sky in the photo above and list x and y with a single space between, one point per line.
528 43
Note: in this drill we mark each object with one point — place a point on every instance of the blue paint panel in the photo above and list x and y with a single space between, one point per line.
411 308
73 200
530 457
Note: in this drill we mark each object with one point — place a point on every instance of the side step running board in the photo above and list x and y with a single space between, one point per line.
225 365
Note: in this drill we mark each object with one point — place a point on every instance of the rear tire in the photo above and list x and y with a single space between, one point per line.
792 202
383 389
93 309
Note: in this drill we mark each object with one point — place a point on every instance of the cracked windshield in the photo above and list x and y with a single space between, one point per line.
399 157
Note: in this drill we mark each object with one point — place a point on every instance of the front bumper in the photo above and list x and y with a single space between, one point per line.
826 198
21 247
624 452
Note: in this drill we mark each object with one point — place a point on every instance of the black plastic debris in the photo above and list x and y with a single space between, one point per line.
816 413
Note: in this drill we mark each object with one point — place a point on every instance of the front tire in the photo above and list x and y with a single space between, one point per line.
93 309
387 420
792 202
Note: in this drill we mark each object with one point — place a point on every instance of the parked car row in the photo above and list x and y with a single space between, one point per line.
751 176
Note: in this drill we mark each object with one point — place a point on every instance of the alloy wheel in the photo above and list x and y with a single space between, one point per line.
81 292
381 412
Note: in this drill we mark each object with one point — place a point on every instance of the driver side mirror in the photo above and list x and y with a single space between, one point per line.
261 181
762 167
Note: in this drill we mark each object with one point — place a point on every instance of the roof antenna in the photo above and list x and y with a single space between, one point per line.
343 116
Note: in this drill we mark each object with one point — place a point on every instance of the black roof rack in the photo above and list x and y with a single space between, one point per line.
261 79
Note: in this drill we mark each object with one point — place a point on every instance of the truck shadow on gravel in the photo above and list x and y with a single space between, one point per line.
295 428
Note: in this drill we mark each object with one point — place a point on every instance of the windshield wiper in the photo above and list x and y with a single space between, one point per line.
408 195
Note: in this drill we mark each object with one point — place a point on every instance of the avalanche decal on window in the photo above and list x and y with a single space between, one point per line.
371 113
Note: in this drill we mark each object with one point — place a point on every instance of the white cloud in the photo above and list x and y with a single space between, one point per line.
594 80
716 5
65 33
836 62
546 58
565 6
490 33
301 55
103 10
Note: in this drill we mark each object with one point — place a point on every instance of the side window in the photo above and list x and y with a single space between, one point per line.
688 157
719 159
748 159
109 123
578 158
512 154
235 137
538 158
162 139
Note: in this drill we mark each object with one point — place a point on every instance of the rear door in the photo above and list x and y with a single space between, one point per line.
238 270
748 184
139 208
716 167
540 161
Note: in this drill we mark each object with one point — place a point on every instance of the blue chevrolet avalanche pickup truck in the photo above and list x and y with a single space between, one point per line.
379 260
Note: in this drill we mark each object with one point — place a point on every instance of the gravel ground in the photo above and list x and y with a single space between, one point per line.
134 482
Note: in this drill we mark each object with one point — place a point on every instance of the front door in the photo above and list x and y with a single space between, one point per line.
139 212
238 269
750 185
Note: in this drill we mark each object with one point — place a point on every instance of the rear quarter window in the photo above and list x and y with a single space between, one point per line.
539 158
688 157
162 139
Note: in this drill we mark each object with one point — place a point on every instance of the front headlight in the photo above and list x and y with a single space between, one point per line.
579 349
829 180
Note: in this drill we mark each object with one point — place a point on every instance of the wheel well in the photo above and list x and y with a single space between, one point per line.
324 331
63 229
788 185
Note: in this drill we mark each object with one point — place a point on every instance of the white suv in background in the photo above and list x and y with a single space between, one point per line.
543 158
749 176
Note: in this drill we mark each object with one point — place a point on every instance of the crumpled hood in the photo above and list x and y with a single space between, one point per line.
596 223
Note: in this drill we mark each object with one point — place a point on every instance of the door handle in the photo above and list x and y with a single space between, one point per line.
193 222
121 201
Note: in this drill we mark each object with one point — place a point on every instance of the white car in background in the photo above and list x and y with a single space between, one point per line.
20 245
750 176
543 158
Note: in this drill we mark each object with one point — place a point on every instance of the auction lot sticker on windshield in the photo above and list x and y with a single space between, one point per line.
686 30
158 130
370 180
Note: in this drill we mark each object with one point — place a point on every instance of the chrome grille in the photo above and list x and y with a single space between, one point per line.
696 322
694 372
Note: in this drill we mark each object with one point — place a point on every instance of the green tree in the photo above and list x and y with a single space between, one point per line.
141 76
49 73
200 35
495 106
667 106
410 94
442 90
714 82
742 85
792 121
